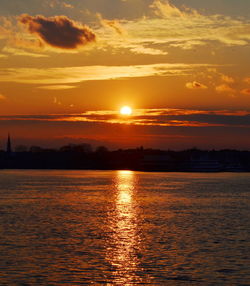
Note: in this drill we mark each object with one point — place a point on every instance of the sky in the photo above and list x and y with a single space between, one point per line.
68 66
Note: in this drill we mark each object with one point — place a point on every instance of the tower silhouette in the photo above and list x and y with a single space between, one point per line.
8 147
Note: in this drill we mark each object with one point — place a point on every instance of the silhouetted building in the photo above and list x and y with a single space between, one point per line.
203 163
8 147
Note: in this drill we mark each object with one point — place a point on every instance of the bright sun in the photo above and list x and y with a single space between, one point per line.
126 110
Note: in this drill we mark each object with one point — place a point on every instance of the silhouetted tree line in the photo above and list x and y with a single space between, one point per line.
82 156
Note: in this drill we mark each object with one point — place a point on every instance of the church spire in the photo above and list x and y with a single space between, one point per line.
8 147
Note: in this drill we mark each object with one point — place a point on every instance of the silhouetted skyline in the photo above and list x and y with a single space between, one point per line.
84 156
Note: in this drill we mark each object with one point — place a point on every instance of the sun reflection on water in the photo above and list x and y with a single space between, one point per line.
124 244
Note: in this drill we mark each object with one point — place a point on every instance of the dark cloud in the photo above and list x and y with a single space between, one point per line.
58 31
148 117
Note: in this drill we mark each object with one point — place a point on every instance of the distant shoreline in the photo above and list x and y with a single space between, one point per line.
132 170
82 157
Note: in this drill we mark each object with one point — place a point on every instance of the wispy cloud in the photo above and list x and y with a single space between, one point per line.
225 88
113 24
151 117
20 52
5 26
67 5
69 75
227 79
56 87
168 10
59 4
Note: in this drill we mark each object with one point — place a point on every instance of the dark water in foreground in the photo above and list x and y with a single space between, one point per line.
124 228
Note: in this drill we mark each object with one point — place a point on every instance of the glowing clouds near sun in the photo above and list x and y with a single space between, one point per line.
126 110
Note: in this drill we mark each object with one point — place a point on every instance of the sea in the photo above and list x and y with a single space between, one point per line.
124 228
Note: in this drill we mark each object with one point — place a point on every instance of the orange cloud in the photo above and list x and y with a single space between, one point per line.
227 79
195 85
246 91
56 87
167 10
20 52
67 5
69 75
148 117
247 80
114 24
58 31
224 88
5 27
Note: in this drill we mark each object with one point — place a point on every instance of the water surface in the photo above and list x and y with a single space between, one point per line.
124 228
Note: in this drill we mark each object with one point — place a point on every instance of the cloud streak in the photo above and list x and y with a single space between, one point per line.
59 31
225 88
20 52
113 24
56 87
69 75
150 117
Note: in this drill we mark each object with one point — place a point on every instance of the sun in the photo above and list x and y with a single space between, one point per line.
126 110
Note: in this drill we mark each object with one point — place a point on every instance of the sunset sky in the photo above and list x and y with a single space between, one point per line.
68 66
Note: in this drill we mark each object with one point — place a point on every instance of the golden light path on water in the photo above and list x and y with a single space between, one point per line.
125 241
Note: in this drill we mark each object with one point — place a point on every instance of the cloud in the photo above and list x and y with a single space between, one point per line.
59 31
67 75
67 5
167 10
227 79
149 117
247 80
15 36
225 88
136 48
58 4
221 76
5 26
56 87
114 24
20 52
187 45
195 85
245 91
140 49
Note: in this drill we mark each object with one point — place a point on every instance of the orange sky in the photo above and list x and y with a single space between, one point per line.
67 67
